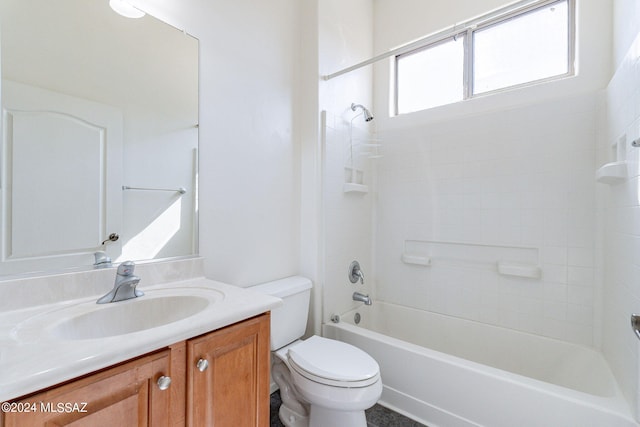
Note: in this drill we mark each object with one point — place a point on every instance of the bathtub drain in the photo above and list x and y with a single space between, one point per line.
356 318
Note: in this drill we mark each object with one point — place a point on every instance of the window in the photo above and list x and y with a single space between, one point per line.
519 48
431 77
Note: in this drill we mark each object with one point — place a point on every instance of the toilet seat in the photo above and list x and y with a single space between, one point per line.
333 363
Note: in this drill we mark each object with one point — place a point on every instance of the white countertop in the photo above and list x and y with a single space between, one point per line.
31 358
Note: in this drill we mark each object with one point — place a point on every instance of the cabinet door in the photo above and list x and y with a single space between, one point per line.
228 380
125 396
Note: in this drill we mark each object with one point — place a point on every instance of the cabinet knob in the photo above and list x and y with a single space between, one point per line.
202 365
164 382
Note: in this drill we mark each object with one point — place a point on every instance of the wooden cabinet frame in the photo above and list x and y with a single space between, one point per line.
232 392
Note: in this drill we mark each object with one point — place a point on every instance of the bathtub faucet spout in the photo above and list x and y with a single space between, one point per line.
357 296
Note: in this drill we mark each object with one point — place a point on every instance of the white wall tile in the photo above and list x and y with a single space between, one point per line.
581 276
512 184
554 255
555 292
621 228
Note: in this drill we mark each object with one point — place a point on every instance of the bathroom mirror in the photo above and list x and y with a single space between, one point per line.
99 137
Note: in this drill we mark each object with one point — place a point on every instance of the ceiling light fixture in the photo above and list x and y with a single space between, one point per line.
125 9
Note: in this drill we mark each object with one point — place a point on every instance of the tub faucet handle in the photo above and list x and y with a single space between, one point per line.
355 273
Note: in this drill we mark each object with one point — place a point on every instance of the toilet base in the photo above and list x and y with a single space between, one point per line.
290 418
323 417
293 412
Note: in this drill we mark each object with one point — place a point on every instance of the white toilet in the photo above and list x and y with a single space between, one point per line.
323 382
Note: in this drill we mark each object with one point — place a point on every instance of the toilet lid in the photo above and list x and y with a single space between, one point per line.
333 360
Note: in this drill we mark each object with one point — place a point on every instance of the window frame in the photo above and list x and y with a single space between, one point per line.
431 45
469 50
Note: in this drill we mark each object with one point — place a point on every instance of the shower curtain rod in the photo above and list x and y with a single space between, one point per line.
513 8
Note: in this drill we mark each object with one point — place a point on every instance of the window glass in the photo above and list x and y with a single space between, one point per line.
523 49
430 77
501 52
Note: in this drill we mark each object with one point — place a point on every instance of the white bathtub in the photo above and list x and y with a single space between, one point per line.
449 372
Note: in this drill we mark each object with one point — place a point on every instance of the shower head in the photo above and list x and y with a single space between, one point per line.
366 113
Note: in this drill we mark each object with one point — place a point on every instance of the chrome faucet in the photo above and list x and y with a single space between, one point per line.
125 285
357 296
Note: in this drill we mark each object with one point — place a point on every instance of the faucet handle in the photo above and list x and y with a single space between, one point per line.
355 273
126 268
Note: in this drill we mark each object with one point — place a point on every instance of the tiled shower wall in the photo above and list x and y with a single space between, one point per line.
345 30
484 187
620 204
347 215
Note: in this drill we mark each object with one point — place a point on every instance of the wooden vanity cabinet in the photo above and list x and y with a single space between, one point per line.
126 395
228 376
220 379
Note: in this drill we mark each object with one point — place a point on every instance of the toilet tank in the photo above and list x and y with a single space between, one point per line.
289 321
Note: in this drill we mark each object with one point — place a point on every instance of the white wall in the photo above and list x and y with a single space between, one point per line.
399 22
249 154
626 25
620 204
311 244
514 169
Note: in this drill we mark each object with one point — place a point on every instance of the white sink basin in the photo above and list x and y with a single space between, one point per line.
130 316
88 320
